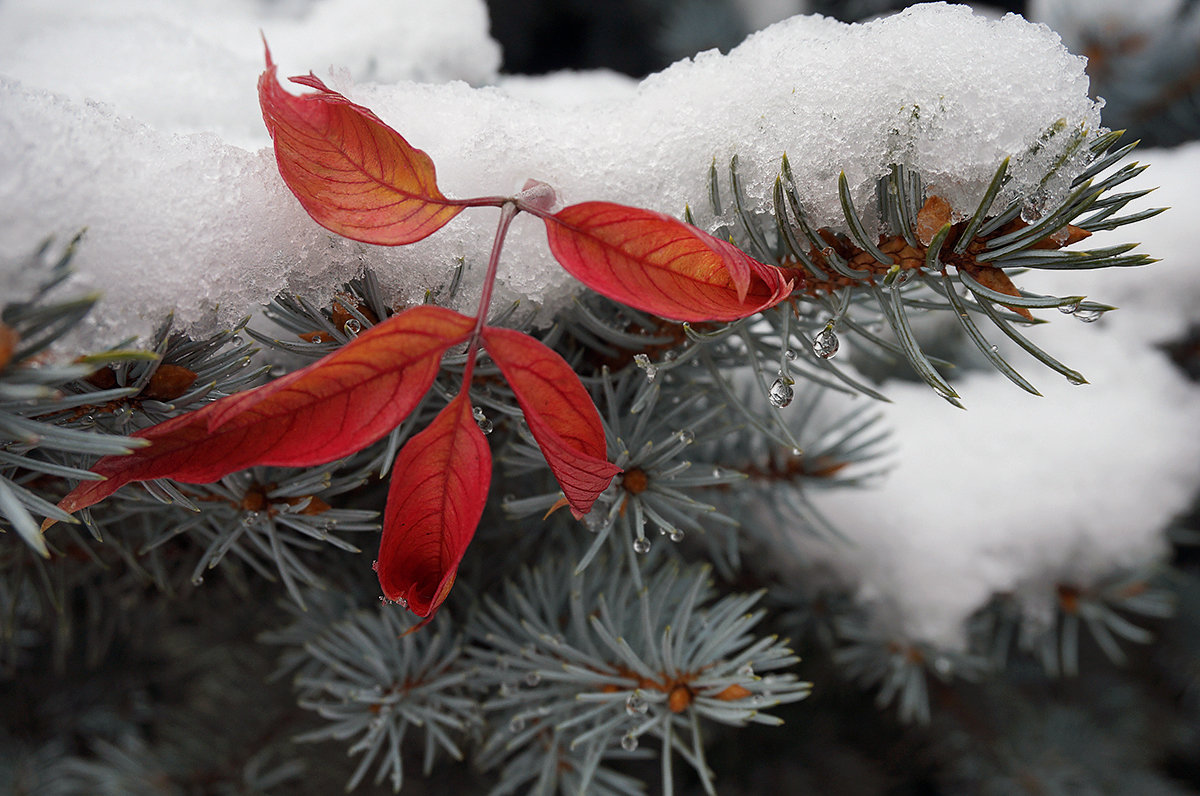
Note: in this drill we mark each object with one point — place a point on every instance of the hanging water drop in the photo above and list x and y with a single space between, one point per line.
237 340
676 535
352 327
687 436
1069 309
780 394
533 678
790 354
1089 315
643 362
629 742
516 724
746 670
481 420
636 705
641 545
826 344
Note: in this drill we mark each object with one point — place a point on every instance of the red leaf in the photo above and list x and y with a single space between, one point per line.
659 264
354 175
332 408
439 486
560 413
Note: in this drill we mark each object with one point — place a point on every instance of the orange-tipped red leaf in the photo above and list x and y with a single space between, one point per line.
560 414
659 264
439 486
354 175
332 408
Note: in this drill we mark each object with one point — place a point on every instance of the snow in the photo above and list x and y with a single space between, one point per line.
1020 493
148 136
138 119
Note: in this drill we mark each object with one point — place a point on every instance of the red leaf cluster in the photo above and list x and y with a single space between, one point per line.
359 178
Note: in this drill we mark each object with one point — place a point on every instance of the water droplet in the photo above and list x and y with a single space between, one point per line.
403 603
746 671
687 436
629 742
481 420
1069 309
197 580
641 545
593 521
505 690
669 356
1033 210
797 452
717 472
826 344
532 678
237 340
790 354
943 665
1089 315
780 394
375 565
636 705
517 724
995 349
1076 380
643 362
352 327
676 535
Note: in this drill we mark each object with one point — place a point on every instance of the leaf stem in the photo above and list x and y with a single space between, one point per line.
478 201
508 211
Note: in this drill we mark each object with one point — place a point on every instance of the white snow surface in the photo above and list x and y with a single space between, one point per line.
137 120
1020 493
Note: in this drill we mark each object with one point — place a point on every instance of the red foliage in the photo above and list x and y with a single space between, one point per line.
328 410
358 177
354 175
656 263
439 487
560 414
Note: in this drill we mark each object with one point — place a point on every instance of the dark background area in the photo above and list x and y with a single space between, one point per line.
637 37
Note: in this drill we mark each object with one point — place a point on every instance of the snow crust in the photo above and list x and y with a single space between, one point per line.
148 135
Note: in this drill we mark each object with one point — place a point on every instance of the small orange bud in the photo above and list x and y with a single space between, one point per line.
635 481
679 699
733 693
